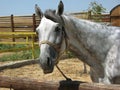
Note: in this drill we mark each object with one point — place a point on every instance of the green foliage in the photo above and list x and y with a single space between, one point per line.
4 46
11 57
96 10
70 54
22 55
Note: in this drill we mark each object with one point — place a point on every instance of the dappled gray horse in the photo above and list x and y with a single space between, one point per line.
95 44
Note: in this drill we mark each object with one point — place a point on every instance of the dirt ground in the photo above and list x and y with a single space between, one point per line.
72 68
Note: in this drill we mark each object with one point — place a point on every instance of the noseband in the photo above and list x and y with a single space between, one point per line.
57 47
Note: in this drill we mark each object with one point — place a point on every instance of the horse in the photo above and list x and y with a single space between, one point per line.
95 44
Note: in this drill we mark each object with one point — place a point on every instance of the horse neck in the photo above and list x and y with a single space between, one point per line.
77 31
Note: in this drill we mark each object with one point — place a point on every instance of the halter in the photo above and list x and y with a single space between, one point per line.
57 47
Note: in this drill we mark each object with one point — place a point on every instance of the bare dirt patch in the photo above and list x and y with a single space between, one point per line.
72 68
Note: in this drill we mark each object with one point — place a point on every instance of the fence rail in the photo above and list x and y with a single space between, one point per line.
29 23
30 84
13 28
88 15
29 40
19 23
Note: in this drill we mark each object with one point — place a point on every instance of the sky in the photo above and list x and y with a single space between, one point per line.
26 7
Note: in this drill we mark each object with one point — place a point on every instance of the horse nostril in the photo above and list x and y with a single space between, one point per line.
49 63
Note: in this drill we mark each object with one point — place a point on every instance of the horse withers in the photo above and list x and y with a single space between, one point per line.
95 44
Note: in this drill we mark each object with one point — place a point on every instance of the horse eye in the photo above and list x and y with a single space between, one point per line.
57 29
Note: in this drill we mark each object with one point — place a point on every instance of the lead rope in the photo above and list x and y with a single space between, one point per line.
11 87
67 79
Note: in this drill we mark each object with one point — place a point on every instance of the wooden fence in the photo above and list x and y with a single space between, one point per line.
29 23
16 27
89 16
30 44
19 30
30 84
13 27
19 23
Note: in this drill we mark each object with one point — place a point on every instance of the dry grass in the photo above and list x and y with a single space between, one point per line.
72 68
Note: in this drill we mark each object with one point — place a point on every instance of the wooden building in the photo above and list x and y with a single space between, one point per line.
115 16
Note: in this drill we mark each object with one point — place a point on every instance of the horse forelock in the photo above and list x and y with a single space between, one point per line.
51 14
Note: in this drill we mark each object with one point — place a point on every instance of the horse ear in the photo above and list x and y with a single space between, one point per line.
38 11
60 8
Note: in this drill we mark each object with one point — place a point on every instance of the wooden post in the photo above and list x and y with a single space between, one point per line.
33 46
34 23
12 26
89 15
32 84
34 26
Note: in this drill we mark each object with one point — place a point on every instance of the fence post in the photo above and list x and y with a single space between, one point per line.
34 26
12 26
33 47
89 15
34 23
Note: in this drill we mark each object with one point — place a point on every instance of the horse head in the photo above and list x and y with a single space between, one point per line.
51 35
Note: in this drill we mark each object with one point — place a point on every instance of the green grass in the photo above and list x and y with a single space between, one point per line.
70 54
21 55
4 46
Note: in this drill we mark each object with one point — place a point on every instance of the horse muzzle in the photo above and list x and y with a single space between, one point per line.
47 65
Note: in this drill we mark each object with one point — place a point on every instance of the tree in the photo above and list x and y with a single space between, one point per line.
96 9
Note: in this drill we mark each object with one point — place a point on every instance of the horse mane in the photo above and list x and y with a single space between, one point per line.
51 14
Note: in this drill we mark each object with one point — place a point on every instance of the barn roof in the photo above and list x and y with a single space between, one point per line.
114 8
